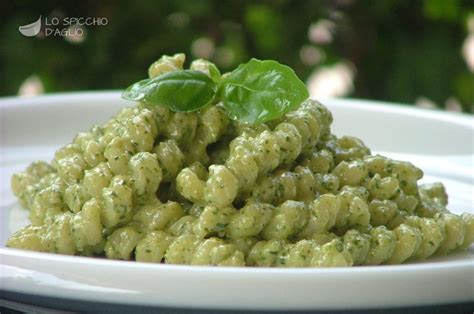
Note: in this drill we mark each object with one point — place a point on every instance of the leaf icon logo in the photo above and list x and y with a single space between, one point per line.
32 29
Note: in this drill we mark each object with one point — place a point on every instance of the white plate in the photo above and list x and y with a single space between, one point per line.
440 143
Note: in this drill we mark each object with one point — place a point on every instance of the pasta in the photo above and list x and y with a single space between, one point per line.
158 186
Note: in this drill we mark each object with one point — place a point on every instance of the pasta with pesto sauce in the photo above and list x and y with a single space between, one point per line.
199 188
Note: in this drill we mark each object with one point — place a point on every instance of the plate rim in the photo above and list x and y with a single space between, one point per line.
279 271
423 268
367 104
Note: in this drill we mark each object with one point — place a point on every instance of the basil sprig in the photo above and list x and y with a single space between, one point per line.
255 92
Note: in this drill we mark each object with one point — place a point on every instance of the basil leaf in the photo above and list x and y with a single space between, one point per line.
214 73
181 91
259 91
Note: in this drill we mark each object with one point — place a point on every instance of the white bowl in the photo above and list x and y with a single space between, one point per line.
440 143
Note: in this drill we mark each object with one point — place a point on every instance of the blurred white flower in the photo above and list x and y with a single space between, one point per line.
424 102
75 34
468 45
452 104
321 32
311 55
31 86
203 48
468 51
224 57
332 81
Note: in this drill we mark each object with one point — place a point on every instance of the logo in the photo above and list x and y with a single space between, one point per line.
61 27
32 29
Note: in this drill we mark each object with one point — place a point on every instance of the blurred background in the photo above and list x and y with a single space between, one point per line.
415 52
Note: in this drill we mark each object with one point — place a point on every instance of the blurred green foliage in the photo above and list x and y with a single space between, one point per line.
400 49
